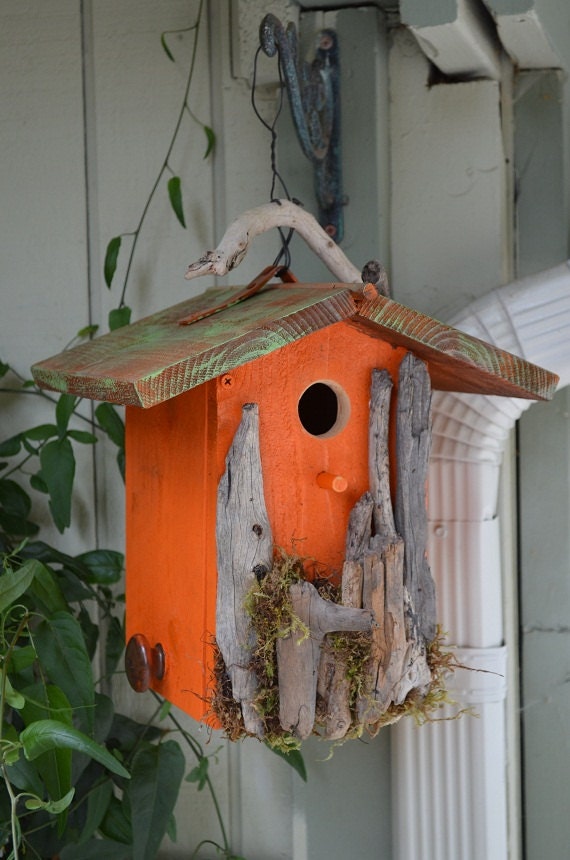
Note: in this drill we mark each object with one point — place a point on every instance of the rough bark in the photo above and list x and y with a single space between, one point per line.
298 654
413 441
334 685
244 547
283 213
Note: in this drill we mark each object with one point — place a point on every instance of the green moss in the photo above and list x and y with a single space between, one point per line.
272 617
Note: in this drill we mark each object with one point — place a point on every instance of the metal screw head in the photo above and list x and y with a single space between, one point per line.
143 663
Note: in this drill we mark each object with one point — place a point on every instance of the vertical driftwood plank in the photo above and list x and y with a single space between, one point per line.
334 685
378 454
244 547
298 654
413 440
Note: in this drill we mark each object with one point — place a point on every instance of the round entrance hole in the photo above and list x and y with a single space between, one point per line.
323 408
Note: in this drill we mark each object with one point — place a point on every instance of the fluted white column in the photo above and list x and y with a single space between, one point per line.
450 777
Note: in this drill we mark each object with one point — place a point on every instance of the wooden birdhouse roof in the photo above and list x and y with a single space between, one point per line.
157 358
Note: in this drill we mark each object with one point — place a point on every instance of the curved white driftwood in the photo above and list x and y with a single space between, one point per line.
283 213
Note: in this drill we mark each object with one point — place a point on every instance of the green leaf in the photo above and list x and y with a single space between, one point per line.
45 735
88 330
90 631
126 733
111 256
64 410
21 659
111 423
294 758
58 470
14 699
61 649
199 773
105 566
15 526
175 195
171 830
53 806
4 368
104 716
167 50
41 432
11 447
211 139
165 709
117 821
82 436
38 483
14 499
119 317
157 773
15 583
46 702
45 588
97 805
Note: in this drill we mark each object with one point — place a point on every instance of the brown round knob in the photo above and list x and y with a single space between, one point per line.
143 664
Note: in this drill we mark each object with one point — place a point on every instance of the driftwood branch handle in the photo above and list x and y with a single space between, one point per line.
239 235
244 546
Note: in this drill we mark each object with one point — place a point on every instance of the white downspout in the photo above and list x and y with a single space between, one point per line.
449 778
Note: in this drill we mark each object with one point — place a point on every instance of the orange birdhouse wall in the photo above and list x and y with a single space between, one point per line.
176 455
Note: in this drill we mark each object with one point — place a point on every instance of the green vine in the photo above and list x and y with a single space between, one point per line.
121 315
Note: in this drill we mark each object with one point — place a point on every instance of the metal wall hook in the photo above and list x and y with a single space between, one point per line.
314 96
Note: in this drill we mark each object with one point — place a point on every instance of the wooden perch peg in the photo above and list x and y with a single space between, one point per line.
298 654
244 548
237 240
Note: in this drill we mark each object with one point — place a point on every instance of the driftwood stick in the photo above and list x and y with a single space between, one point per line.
383 592
239 235
413 440
334 685
244 546
298 653
378 454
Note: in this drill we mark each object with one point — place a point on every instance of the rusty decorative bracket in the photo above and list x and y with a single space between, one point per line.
314 97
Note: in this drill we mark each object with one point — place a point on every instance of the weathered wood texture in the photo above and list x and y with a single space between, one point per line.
457 361
334 684
244 546
413 441
157 358
386 569
298 654
283 213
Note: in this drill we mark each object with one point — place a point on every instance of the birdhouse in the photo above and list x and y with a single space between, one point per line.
266 429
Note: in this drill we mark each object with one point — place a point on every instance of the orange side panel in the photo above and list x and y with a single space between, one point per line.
171 553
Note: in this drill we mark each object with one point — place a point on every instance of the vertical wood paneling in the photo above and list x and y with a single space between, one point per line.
43 281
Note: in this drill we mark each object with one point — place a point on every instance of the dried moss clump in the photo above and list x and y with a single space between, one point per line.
272 617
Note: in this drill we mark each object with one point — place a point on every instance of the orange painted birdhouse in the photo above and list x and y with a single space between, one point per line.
304 353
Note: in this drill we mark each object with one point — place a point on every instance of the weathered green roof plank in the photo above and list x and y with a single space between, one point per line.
156 358
458 361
